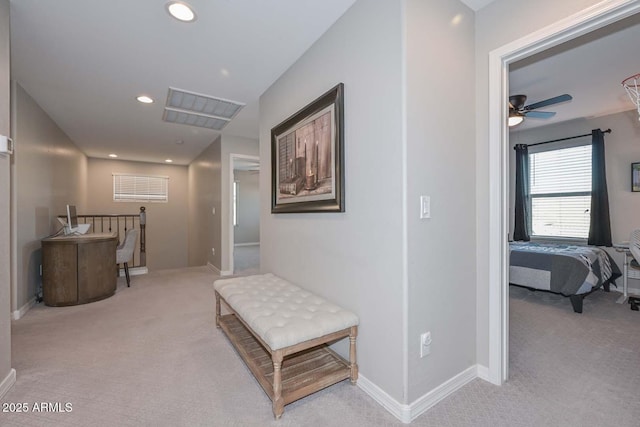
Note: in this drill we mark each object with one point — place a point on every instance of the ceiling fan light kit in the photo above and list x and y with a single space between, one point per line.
518 111
515 118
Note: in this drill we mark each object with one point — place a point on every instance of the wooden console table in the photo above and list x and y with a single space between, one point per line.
79 269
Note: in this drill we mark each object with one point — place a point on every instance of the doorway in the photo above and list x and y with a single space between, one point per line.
579 24
244 226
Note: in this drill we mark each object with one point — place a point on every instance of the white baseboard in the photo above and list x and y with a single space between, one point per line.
483 373
426 402
407 413
399 410
7 383
17 314
135 271
247 244
218 271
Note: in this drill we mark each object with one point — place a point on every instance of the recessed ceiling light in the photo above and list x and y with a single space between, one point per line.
113 155
144 99
169 161
181 11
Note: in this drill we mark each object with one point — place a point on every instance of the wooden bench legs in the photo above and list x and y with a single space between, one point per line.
217 310
278 401
309 366
353 365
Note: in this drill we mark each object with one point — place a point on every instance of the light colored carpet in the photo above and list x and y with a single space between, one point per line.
566 369
151 356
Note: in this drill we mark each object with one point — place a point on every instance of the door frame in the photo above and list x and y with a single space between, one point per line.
583 22
232 157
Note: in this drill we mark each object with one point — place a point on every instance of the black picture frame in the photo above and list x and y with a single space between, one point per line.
635 177
307 157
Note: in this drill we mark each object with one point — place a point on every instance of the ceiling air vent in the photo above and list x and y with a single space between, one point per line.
195 109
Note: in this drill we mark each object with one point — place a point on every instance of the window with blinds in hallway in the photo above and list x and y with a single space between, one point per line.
140 188
560 189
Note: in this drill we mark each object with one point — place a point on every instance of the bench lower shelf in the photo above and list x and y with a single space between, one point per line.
303 373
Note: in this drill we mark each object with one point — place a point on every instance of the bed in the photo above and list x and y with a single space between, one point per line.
569 270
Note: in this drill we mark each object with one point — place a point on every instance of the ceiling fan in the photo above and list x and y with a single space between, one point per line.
518 111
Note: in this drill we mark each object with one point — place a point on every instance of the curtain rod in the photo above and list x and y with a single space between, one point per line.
564 139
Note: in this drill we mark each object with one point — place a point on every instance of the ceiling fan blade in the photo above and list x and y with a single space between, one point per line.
539 114
550 101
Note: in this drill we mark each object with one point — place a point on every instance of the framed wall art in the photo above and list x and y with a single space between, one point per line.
307 157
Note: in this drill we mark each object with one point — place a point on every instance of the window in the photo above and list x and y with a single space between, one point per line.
140 188
560 188
235 203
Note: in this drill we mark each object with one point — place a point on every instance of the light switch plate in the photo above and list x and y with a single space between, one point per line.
425 207
6 145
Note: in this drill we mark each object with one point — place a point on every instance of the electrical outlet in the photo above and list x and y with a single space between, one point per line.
213 251
425 344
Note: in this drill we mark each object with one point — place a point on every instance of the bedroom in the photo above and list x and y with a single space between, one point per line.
560 143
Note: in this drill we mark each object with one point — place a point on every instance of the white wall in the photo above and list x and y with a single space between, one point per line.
441 164
167 228
7 375
499 23
49 172
205 185
353 258
231 145
209 188
248 228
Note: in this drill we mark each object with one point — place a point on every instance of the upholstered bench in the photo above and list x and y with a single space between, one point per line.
283 332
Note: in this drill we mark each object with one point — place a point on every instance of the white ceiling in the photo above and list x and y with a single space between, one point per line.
590 68
477 4
85 62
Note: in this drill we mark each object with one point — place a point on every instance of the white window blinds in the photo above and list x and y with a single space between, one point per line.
560 188
140 188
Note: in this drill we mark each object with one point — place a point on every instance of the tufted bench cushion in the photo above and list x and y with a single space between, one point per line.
281 313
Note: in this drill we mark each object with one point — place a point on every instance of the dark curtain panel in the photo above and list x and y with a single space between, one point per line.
600 228
521 228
